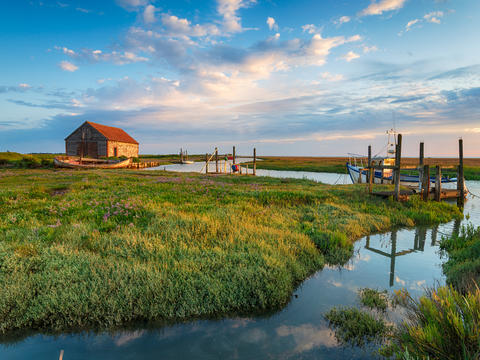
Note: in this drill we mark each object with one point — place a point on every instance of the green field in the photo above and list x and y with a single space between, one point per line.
101 249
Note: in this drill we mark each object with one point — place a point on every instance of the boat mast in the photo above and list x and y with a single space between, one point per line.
392 143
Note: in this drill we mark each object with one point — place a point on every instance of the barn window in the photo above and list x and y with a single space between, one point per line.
115 152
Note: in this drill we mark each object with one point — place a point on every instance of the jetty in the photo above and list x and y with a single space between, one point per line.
427 192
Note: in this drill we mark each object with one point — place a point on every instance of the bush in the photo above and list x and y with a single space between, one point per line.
463 266
443 324
356 327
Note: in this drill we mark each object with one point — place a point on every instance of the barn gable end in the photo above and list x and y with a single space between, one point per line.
100 141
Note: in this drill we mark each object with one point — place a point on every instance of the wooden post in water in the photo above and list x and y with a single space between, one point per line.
438 183
216 160
233 155
398 158
460 178
426 182
206 163
254 161
369 161
420 167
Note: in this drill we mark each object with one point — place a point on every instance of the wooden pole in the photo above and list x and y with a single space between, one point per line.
233 157
420 167
369 161
254 161
460 178
426 182
206 163
216 160
398 158
420 160
438 184
371 176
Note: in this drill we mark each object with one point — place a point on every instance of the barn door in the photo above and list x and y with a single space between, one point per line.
92 149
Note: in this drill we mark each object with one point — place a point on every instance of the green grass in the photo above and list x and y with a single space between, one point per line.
374 299
26 161
442 324
463 265
101 249
356 327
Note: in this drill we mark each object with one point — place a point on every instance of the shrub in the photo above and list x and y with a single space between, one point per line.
374 299
442 324
355 327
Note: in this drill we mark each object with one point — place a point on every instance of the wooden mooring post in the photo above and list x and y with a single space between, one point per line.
233 155
438 183
370 169
216 160
420 166
398 157
206 163
460 177
254 161
426 182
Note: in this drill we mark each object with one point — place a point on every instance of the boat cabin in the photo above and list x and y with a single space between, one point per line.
95 140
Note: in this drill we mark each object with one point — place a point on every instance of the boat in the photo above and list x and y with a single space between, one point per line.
87 163
184 157
357 167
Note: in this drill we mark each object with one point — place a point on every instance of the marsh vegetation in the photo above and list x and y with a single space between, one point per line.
99 249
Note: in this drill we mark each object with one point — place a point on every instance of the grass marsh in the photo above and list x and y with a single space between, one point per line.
99 249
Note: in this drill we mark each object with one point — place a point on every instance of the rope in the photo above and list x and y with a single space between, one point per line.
335 183
474 195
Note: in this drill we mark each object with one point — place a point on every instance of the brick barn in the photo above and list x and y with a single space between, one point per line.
94 141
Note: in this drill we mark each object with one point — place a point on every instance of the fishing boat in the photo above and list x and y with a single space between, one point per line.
86 163
357 167
184 157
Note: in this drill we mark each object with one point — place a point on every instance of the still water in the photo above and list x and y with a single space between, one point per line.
405 258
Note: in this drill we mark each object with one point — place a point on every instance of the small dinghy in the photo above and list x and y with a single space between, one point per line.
76 163
184 157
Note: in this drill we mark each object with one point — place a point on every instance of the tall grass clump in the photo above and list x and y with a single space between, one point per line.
442 324
356 327
463 265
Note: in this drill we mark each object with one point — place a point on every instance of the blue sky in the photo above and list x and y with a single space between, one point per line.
298 77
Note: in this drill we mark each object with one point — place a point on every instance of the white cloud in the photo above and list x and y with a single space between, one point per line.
149 14
228 10
310 28
68 66
65 50
131 4
343 20
331 77
24 86
434 17
176 26
271 23
350 56
378 8
119 58
367 49
409 25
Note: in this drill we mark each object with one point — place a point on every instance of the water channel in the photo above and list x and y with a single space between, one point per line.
405 258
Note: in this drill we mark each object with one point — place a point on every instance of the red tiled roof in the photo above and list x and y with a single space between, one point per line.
113 133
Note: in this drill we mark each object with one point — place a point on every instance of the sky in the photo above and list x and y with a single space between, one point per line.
304 77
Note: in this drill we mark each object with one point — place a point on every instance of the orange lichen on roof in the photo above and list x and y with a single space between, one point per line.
113 133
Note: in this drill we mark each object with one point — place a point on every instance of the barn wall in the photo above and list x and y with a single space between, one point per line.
123 149
73 142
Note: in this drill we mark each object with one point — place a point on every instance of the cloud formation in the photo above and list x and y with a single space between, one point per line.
381 6
68 66
271 23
